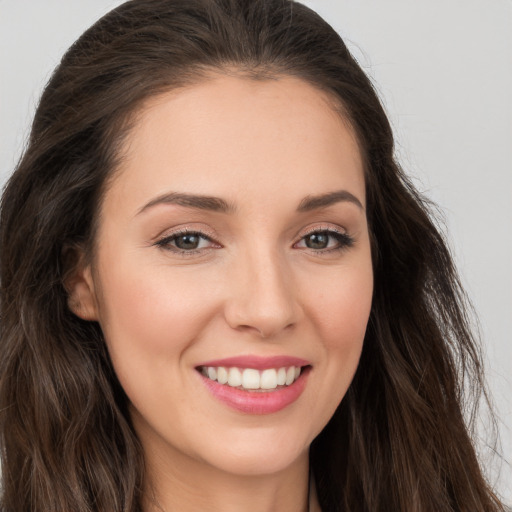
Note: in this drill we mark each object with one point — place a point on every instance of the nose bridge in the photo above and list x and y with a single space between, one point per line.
262 297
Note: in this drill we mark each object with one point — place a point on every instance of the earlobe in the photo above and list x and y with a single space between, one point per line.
79 284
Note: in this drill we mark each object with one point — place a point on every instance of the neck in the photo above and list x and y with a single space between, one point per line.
180 483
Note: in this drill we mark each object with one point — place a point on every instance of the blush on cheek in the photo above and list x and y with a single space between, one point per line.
149 323
345 307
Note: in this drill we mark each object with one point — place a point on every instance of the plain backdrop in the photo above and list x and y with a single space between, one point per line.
443 70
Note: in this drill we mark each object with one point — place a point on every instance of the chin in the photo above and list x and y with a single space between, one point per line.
261 455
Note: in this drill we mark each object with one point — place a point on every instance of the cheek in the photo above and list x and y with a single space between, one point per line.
149 317
339 311
342 305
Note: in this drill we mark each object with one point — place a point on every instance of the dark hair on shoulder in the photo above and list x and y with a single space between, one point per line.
398 440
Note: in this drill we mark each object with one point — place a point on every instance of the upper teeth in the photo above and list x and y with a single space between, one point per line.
249 378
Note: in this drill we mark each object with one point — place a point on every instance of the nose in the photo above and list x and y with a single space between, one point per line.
261 296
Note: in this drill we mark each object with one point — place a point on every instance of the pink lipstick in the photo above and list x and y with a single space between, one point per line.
254 384
257 362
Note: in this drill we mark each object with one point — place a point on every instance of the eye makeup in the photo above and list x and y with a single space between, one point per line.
318 240
187 242
324 240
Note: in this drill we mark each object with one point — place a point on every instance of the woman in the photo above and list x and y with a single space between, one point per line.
218 289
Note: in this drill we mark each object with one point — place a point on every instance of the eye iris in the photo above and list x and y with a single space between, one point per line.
317 241
189 241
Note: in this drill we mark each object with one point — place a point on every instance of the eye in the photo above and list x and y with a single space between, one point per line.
325 240
186 242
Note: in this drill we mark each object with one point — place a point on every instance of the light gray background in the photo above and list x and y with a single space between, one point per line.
443 69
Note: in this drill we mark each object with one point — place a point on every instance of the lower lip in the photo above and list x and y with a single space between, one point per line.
258 402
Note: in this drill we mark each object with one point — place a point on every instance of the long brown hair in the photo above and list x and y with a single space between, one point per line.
398 440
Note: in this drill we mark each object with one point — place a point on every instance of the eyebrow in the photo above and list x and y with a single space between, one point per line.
323 200
200 202
216 204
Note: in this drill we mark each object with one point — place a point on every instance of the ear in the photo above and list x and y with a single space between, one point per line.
79 283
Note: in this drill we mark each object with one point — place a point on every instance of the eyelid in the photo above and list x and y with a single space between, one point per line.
183 229
321 228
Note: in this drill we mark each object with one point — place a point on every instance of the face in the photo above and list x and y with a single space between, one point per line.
232 277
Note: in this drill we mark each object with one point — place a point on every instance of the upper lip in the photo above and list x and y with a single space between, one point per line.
257 362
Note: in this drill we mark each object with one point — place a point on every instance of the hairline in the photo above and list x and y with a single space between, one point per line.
125 121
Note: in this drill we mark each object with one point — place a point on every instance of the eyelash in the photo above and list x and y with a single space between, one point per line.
165 243
344 241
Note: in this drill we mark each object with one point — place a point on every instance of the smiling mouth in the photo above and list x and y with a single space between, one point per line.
251 379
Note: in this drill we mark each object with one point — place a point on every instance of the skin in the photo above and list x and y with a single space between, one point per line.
253 286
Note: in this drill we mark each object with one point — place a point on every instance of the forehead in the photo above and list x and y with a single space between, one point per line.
228 134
